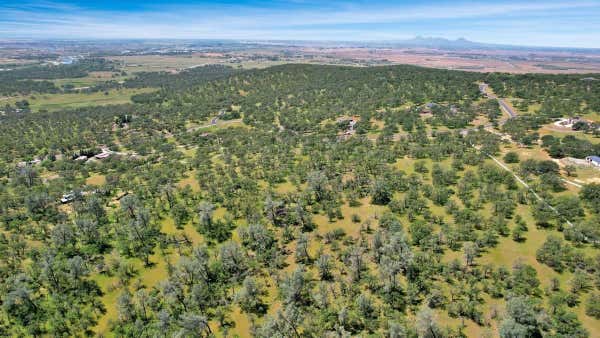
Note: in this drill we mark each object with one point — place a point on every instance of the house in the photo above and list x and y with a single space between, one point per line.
106 152
29 163
102 156
568 122
351 124
66 198
593 160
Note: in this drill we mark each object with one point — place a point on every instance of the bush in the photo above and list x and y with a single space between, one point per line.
511 157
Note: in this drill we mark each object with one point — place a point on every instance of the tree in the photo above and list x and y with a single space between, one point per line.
125 306
571 170
194 325
180 214
296 288
470 251
302 255
21 304
522 320
566 324
553 252
544 215
138 234
586 231
381 192
396 330
568 207
205 214
517 234
524 280
590 193
511 157
233 260
426 323
250 296
324 267
592 305
219 230
510 328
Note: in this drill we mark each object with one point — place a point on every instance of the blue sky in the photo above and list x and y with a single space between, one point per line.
574 23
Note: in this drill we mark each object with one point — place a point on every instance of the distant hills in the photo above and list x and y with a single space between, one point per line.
464 44
416 42
426 42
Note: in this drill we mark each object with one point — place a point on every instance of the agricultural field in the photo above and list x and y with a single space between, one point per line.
296 200
154 63
53 102
176 63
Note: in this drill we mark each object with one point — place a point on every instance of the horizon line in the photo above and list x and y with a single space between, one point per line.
477 44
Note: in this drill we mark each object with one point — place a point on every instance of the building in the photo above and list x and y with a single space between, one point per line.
66 198
593 160
102 156
351 124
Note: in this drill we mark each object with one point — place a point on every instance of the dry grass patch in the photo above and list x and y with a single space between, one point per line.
96 180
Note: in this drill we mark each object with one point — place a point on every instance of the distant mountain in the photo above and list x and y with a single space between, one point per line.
420 42
462 44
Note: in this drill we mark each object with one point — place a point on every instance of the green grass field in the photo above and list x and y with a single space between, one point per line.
92 79
67 101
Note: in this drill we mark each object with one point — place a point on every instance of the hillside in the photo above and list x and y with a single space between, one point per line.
303 201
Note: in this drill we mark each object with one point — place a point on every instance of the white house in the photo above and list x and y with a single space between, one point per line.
593 160
66 198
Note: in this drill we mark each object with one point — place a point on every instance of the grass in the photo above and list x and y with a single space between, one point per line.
96 179
153 63
168 227
76 100
549 130
534 152
242 323
587 175
191 181
149 277
367 212
286 187
92 79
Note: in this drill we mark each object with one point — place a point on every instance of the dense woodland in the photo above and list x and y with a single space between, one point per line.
294 227
560 94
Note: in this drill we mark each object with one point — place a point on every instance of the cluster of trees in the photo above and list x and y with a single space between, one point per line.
560 94
173 81
569 146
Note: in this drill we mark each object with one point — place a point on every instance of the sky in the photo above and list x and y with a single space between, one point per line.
574 23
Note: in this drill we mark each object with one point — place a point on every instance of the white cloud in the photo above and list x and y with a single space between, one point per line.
333 21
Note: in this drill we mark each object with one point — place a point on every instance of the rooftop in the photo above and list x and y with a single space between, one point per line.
594 158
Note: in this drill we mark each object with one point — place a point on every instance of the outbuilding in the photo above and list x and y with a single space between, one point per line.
593 160
66 198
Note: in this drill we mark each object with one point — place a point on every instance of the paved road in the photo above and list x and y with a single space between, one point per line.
483 87
507 108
